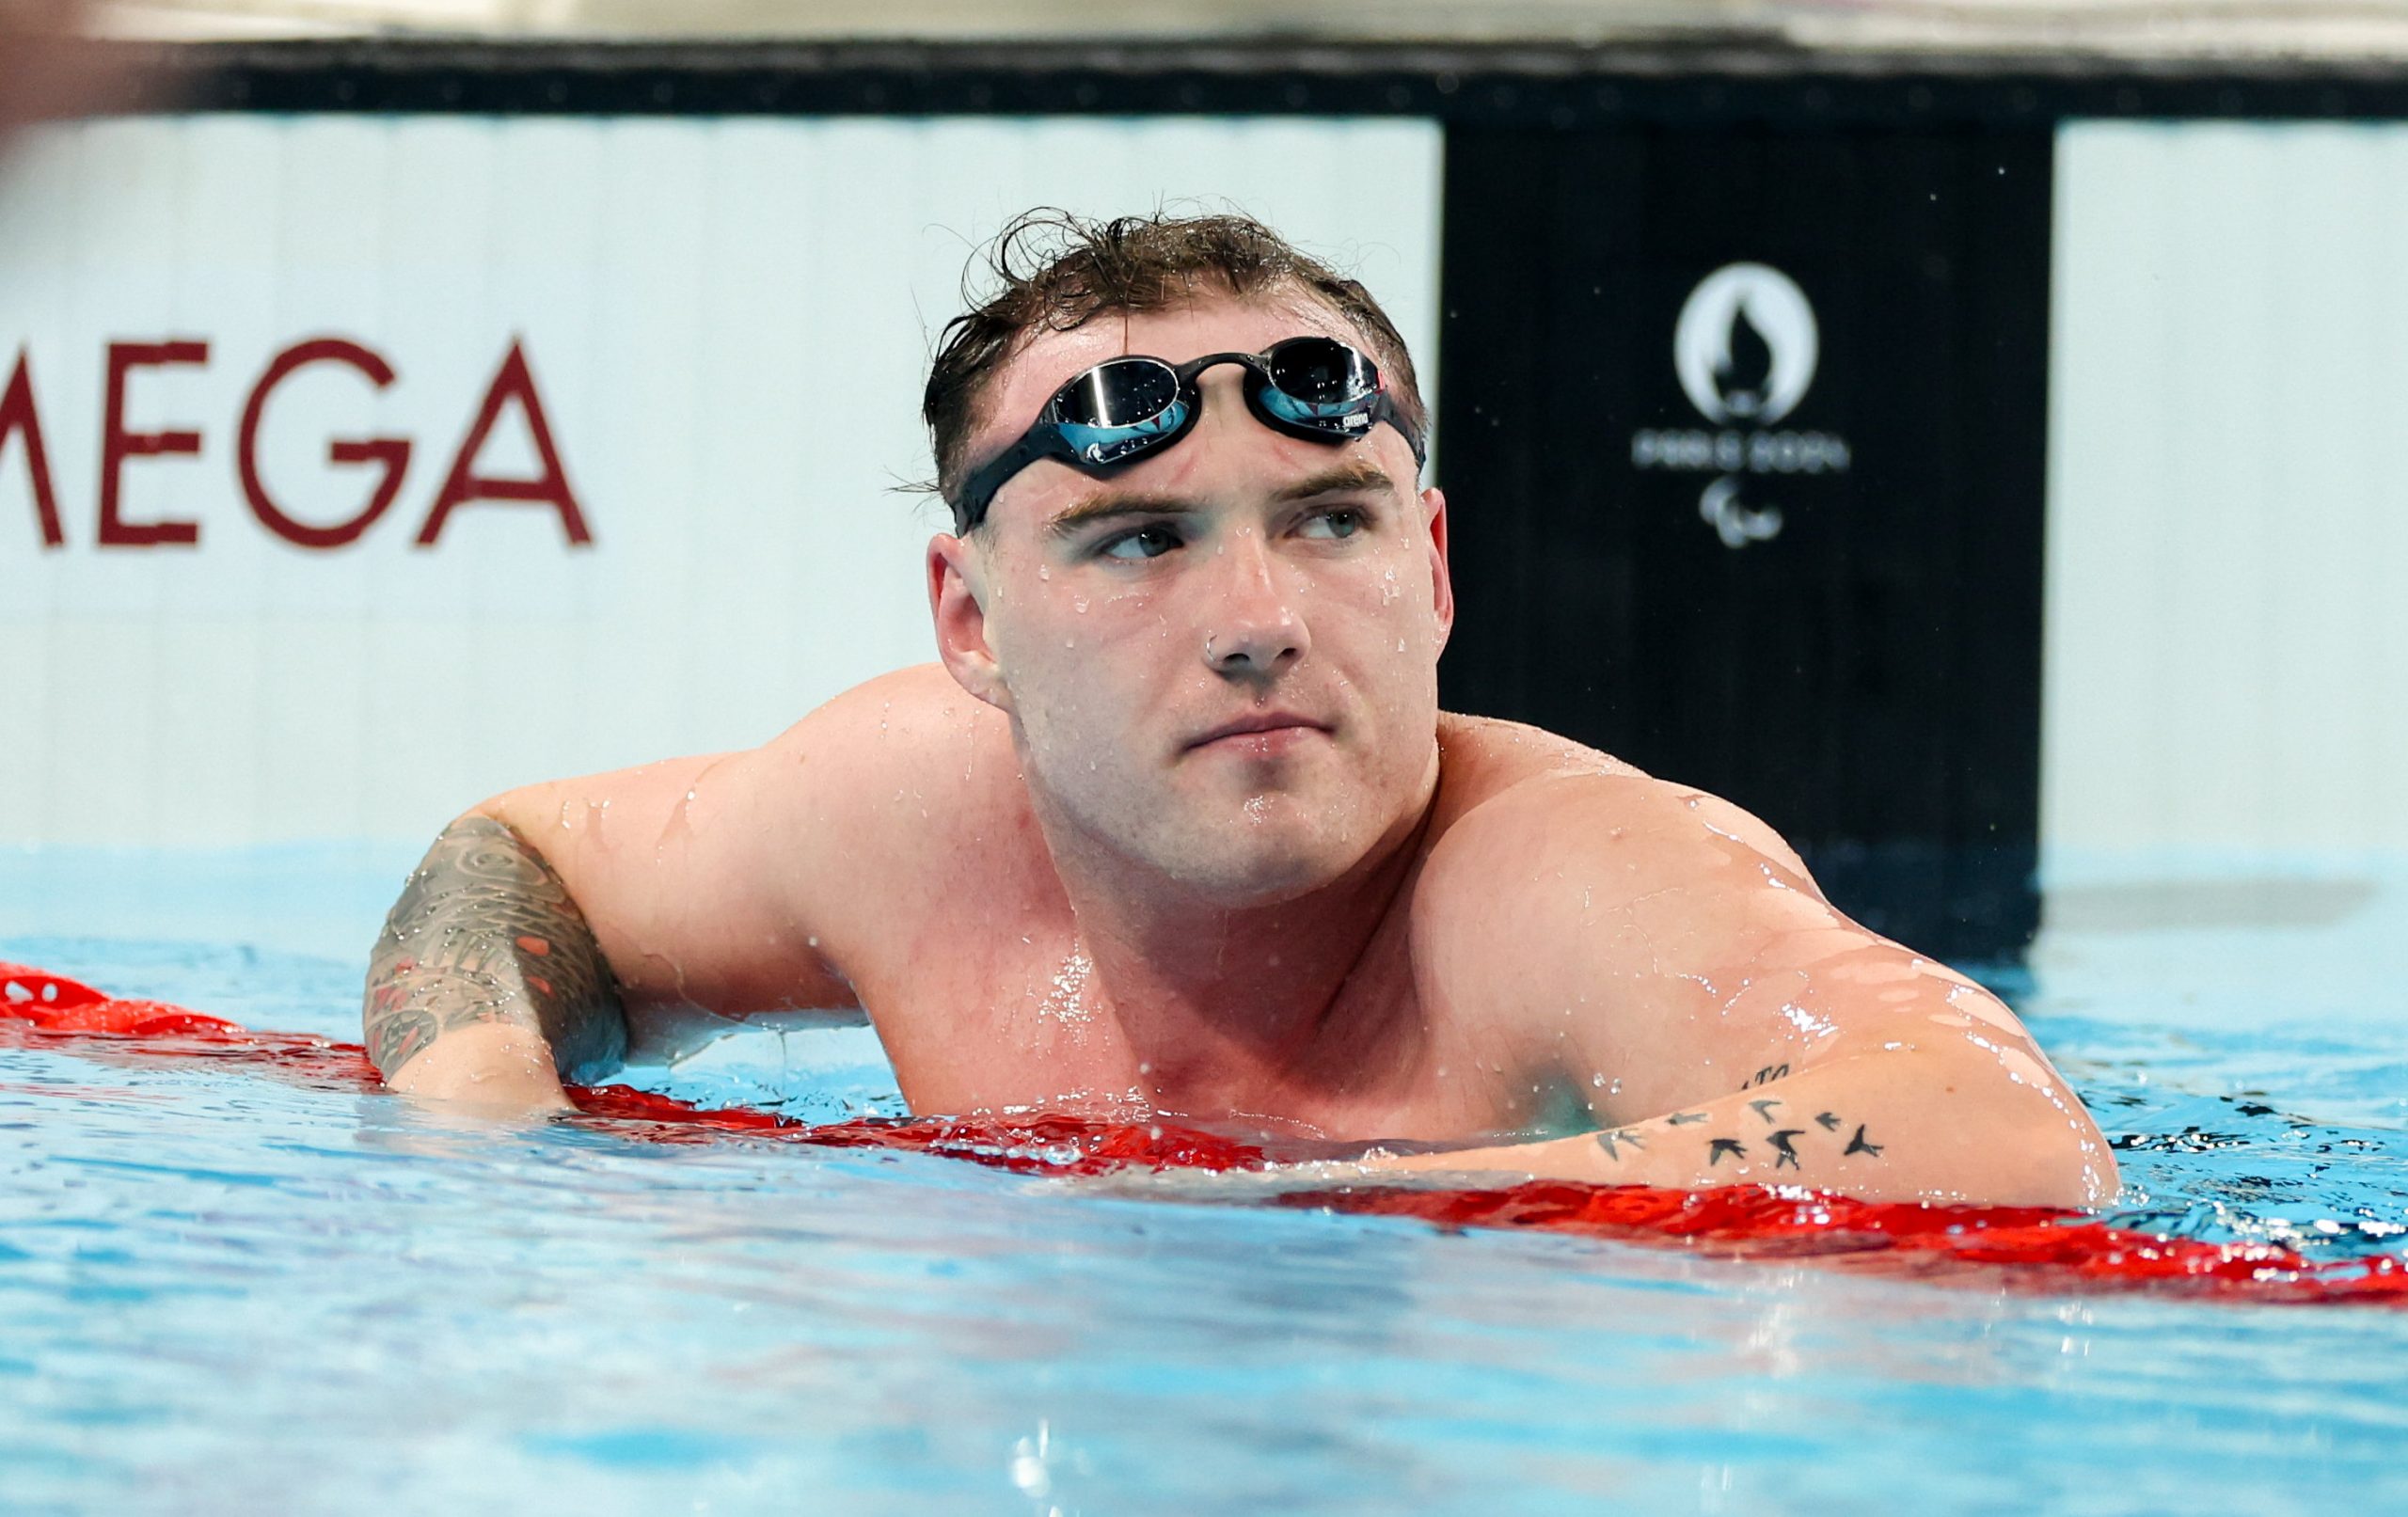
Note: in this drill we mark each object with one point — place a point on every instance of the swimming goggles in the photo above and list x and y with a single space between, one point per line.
1126 407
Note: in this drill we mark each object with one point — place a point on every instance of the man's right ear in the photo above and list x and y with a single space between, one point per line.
956 594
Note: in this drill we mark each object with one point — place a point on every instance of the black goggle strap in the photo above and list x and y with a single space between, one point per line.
979 491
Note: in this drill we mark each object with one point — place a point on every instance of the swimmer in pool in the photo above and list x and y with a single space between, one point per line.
1175 825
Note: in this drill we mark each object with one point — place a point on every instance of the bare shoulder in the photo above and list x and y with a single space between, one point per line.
1484 756
1545 832
763 876
1507 786
890 740
913 725
898 774
1598 915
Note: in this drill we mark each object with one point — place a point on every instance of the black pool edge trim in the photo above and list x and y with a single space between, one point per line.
1567 83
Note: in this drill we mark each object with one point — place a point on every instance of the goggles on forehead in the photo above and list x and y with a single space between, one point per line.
1126 407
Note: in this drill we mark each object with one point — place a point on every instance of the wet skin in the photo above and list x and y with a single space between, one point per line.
1176 826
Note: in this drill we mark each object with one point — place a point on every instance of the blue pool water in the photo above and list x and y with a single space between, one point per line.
221 1293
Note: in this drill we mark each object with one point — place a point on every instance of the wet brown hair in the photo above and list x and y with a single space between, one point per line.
1054 271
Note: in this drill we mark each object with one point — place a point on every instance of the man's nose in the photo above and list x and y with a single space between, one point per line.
1251 629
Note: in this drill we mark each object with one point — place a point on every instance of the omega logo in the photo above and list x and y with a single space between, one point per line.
512 384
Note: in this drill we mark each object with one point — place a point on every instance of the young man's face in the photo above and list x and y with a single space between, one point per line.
1221 661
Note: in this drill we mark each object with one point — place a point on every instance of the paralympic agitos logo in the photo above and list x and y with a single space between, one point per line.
1744 350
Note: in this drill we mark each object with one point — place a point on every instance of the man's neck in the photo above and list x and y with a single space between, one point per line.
1221 1004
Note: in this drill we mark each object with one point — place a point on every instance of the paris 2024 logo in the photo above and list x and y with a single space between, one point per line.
1745 350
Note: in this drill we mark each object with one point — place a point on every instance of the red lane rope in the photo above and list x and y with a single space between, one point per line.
2026 1248
42 1005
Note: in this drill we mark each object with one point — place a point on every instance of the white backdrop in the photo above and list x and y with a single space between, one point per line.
724 325
2226 658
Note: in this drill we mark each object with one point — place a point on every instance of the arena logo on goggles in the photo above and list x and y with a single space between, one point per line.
512 384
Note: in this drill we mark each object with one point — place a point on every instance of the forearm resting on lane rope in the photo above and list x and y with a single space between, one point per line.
486 979
1938 1124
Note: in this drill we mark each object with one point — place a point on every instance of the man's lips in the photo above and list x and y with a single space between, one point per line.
1260 727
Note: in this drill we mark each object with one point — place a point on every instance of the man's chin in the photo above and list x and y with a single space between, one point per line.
1271 871
1231 891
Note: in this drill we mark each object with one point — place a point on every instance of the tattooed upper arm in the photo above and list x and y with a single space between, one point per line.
486 931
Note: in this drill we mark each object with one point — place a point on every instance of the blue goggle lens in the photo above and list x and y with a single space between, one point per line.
1110 444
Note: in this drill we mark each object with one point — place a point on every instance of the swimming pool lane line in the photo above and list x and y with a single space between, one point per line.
2042 1249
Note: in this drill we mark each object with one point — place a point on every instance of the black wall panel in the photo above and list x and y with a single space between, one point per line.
1823 603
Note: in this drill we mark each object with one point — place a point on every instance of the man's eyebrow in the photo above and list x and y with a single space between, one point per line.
1355 476
1112 503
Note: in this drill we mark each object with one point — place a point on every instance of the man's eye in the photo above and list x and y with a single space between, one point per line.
1342 521
1140 544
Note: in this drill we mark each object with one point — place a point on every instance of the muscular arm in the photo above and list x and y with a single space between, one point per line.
1667 954
714 886
486 980
1897 1124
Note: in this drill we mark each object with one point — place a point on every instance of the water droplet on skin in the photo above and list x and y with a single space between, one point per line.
1599 1081
1080 606
1044 573
1068 1001
813 941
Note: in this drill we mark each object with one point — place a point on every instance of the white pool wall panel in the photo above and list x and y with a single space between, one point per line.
727 322
2226 657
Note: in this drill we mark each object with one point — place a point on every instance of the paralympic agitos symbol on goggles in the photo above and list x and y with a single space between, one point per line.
1745 350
